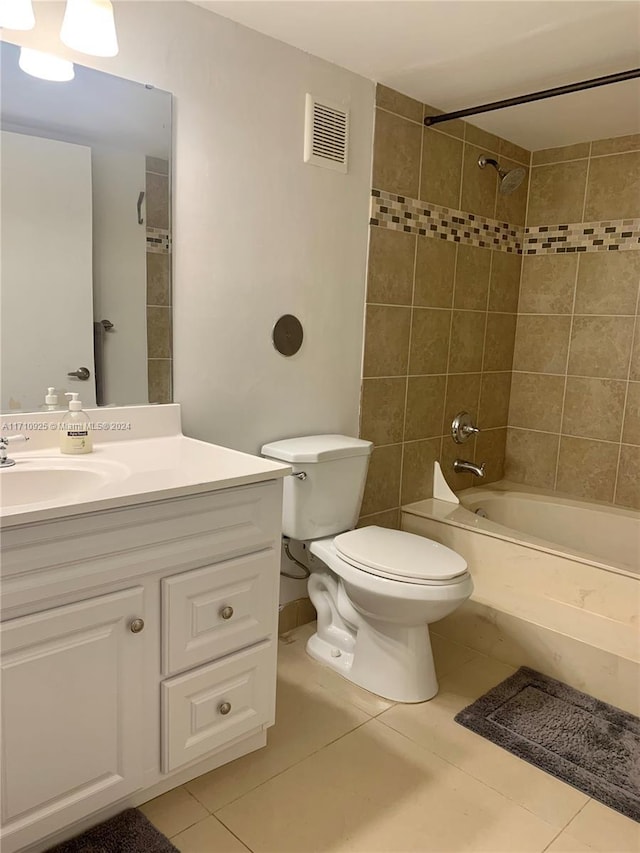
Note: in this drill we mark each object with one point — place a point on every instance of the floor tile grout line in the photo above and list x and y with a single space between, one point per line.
569 822
295 764
580 810
314 752
420 745
202 820
356 707
554 839
482 782
185 828
235 835
171 791
474 651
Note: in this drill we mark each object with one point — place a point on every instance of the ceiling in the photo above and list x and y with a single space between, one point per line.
459 53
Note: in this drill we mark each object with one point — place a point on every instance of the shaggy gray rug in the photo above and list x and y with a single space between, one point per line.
127 832
586 743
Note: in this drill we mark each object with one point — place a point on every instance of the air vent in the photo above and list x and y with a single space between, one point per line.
326 135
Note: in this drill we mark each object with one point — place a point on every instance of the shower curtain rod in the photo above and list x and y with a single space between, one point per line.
536 96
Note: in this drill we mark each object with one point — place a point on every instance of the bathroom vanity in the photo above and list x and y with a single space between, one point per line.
139 621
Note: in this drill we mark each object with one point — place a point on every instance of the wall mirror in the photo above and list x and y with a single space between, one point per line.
86 239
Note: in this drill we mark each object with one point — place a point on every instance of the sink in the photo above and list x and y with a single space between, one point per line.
44 481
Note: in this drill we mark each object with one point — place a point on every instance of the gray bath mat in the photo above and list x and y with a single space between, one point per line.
586 743
127 832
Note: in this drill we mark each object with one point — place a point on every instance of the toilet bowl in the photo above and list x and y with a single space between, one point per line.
375 590
373 620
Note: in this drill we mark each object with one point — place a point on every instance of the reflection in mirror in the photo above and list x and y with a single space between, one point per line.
86 239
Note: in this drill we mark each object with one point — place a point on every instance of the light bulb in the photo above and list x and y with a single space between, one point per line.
45 65
89 27
17 15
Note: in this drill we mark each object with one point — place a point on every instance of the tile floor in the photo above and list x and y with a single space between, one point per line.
347 771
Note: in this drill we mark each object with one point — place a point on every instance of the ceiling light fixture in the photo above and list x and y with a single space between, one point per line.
17 15
89 27
45 65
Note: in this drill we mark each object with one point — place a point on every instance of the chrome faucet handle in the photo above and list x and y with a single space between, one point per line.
4 443
462 428
5 439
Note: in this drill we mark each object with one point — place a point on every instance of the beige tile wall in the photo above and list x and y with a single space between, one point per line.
574 419
159 320
440 316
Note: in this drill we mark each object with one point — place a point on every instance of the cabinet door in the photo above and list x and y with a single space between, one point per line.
71 713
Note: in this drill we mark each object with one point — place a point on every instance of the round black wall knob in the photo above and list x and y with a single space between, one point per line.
288 335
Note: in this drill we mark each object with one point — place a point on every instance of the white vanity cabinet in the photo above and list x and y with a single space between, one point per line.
138 650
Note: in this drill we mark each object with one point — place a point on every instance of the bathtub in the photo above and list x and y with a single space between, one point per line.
556 583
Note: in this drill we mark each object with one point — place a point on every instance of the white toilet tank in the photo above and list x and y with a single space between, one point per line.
328 499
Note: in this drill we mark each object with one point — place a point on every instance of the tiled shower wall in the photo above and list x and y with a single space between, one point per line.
574 421
442 301
159 327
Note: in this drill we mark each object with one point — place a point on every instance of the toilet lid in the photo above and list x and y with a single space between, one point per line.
395 553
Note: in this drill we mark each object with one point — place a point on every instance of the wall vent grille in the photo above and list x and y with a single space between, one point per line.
326 135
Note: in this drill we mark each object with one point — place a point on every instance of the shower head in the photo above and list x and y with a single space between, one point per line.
509 181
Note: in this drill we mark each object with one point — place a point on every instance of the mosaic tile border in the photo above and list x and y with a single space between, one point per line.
614 235
431 220
158 241
413 216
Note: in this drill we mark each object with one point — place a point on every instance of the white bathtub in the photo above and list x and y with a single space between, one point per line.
604 535
557 583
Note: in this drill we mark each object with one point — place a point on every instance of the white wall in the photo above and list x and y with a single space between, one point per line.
45 271
120 272
257 232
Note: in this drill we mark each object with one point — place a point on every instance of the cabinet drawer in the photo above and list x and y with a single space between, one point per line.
207 709
208 613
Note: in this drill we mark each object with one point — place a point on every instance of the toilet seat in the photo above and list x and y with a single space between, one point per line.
400 556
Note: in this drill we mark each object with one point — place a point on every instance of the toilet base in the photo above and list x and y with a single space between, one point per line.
374 631
392 661
330 655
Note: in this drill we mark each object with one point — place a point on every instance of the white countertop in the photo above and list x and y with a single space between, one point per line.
134 471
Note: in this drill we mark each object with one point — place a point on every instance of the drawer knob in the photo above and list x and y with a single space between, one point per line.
224 708
226 612
136 625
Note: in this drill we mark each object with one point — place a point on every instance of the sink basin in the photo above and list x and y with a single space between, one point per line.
53 480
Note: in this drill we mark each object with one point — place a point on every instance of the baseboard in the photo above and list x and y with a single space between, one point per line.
295 613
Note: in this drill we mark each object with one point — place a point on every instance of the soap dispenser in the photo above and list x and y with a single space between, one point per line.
51 400
75 428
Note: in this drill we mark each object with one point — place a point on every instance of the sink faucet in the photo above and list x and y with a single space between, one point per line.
461 466
4 443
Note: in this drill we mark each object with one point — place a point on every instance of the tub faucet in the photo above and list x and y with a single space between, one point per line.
461 466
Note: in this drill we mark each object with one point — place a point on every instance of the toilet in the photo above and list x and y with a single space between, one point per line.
375 590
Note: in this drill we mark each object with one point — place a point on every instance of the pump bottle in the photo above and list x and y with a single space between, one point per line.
51 400
75 428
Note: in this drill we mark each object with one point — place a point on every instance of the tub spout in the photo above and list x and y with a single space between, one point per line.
461 466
